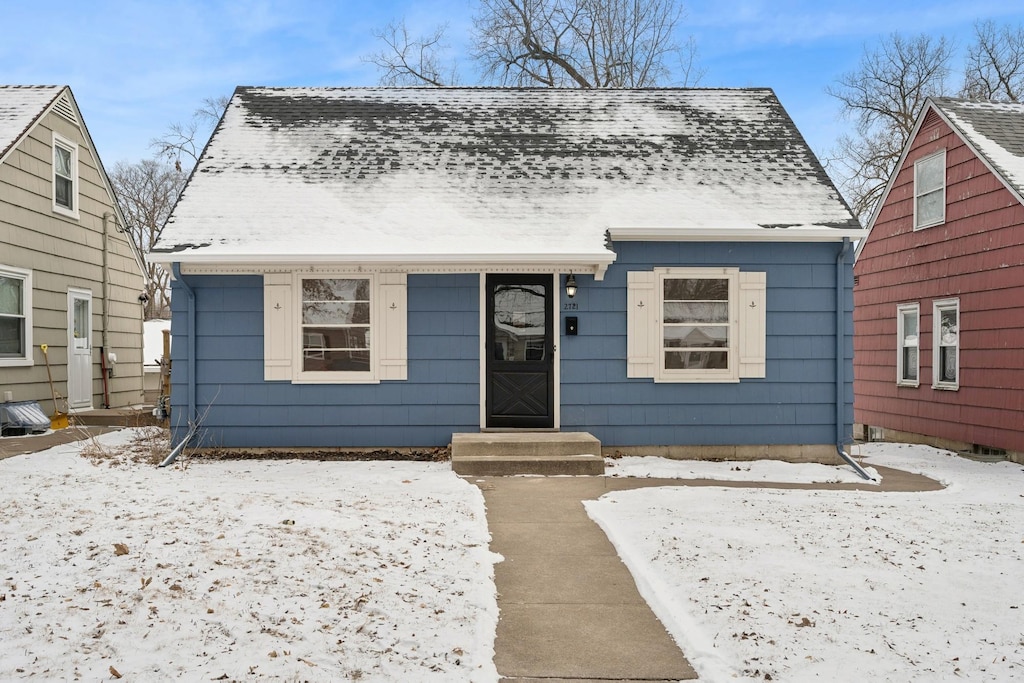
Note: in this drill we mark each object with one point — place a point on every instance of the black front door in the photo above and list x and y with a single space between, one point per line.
520 351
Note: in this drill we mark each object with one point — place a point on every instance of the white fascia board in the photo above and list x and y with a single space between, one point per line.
734 234
596 264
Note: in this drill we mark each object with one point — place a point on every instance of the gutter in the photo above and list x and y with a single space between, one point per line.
190 362
840 361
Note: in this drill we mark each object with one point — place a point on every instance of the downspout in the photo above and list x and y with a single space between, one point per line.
841 358
190 363
106 314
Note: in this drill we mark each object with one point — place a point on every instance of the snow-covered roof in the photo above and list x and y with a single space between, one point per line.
995 130
410 175
20 107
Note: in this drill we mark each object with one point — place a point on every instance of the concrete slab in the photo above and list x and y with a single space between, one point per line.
558 579
512 453
538 539
604 641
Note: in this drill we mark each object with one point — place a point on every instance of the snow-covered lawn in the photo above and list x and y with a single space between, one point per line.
320 571
761 584
298 571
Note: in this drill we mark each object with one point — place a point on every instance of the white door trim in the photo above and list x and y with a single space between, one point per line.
79 363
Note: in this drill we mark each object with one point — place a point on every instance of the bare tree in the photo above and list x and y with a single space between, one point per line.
994 68
579 43
884 96
188 139
413 61
146 192
554 43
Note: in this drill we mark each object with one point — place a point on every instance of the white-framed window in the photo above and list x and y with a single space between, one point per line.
930 190
15 316
908 336
696 324
65 176
946 344
335 327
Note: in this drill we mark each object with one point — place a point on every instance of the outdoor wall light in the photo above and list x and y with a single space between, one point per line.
570 286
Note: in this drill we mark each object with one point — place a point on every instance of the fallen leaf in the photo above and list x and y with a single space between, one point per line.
120 549
114 672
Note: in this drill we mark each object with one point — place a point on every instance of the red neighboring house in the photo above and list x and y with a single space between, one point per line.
939 287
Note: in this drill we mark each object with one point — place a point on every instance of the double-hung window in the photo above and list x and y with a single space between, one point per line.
696 324
65 176
908 335
334 327
930 190
946 344
15 316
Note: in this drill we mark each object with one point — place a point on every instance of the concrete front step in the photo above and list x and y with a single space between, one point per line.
510 453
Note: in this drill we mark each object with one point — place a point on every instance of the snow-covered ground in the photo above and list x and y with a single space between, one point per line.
762 584
755 470
317 571
298 571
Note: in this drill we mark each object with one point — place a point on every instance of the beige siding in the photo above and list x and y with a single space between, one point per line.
63 252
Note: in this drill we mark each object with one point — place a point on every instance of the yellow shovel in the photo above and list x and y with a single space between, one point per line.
58 420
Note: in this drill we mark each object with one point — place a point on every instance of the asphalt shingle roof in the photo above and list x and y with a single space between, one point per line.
995 129
390 173
20 106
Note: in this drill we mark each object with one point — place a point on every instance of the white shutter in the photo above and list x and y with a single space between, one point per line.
752 324
278 326
392 326
642 335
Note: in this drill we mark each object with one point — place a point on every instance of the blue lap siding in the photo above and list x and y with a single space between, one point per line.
239 409
793 404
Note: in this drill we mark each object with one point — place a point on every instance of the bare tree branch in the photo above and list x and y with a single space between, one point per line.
408 61
994 67
884 96
188 139
146 192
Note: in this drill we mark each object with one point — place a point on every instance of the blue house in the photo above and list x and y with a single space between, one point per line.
669 270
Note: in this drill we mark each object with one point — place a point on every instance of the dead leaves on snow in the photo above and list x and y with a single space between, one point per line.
120 549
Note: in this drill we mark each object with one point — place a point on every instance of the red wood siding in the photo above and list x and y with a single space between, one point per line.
977 255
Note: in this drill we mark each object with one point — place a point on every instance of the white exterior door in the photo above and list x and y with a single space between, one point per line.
79 349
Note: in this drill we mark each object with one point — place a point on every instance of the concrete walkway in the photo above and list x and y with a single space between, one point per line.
569 608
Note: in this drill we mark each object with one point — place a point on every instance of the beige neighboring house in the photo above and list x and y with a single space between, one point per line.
69 276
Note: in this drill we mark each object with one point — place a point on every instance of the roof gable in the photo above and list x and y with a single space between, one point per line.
387 173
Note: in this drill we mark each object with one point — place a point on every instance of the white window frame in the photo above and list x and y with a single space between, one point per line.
938 307
25 359
903 342
920 192
59 141
337 377
731 372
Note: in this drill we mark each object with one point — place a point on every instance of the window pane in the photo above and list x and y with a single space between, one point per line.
697 312
12 336
947 364
948 328
931 174
696 360
62 161
519 322
11 296
320 338
337 361
929 208
336 313
910 362
335 289
62 192
697 290
910 325
696 337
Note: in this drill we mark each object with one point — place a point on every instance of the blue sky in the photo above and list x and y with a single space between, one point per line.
135 67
